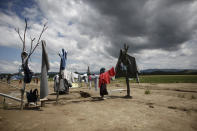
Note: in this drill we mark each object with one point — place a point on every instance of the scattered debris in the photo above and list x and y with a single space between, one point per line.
151 106
84 94
193 97
172 107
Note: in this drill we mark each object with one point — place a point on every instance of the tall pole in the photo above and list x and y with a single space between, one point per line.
24 57
127 78
58 88
128 87
22 94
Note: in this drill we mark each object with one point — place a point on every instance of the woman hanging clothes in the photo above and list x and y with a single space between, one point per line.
104 79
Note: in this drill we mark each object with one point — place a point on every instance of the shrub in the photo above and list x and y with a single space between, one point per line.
147 92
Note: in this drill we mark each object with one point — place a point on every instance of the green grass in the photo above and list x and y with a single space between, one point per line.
159 79
50 79
147 92
164 79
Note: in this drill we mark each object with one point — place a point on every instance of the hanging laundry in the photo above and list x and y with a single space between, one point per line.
126 66
63 57
25 67
44 70
79 78
69 76
64 85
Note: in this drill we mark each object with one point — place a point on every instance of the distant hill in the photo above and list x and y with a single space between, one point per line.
169 72
142 72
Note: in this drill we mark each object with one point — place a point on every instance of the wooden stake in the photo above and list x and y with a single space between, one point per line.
58 86
42 103
128 88
22 95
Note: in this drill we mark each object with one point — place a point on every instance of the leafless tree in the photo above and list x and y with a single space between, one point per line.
25 55
32 49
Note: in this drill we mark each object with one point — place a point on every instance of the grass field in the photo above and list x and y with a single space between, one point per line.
160 79
164 79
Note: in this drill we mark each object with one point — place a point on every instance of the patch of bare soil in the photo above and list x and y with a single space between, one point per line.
167 107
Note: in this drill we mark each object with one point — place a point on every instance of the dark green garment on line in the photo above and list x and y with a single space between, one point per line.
126 66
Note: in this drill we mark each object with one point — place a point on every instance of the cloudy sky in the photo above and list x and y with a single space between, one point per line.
160 33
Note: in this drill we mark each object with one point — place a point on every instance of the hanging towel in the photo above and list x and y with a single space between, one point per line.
44 70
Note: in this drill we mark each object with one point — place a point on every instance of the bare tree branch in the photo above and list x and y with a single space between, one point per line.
126 47
24 34
18 31
43 29
32 40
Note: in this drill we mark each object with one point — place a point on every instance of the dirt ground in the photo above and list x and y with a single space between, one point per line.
168 107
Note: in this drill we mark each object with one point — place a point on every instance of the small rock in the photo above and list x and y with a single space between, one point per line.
151 106
84 94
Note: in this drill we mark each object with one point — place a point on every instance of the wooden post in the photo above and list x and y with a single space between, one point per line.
42 103
24 57
3 101
127 78
128 87
22 95
57 97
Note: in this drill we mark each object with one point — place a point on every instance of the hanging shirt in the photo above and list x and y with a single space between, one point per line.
69 76
63 57
105 77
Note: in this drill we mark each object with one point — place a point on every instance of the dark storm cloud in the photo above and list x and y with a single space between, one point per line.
143 24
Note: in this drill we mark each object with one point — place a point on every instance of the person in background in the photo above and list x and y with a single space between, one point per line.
8 79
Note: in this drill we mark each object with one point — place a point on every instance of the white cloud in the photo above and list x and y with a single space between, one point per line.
9 66
69 27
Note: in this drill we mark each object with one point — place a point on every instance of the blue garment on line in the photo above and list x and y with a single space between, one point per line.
63 57
123 67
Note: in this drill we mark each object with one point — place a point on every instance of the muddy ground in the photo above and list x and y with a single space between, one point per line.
168 107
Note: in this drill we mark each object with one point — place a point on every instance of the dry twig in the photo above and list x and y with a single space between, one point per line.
32 40
43 29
